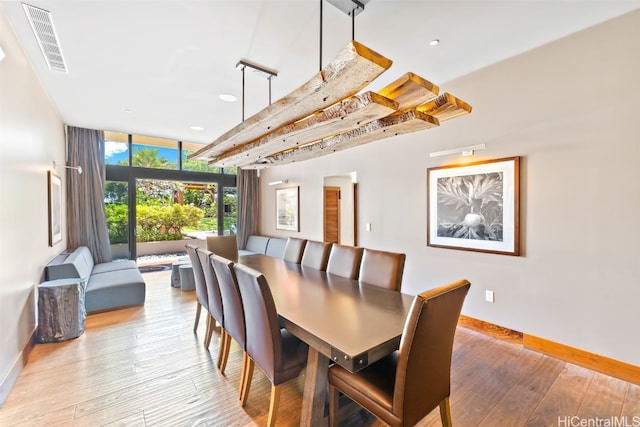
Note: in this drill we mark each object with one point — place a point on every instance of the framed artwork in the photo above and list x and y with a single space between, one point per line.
287 209
475 207
55 208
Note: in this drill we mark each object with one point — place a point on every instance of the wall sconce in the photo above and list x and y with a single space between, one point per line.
78 168
465 151
282 181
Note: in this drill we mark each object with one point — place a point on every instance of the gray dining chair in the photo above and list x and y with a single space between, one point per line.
213 294
405 386
294 249
381 268
345 261
278 353
234 323
202 297
316 255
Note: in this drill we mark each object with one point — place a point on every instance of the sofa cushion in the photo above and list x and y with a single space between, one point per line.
78 264
61 271
114 289
83 260
114 266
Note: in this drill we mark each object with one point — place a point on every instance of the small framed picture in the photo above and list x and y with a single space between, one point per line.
287 209
475 207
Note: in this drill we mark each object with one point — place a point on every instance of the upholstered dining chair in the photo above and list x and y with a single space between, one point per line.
234 324
294 249
279 354
316 255
382 268
405 386
224 246
345 261
213 294
202 298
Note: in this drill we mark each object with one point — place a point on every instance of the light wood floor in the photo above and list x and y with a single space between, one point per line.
144 366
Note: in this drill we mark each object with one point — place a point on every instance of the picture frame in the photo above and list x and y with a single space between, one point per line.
55 208
475 206
288 208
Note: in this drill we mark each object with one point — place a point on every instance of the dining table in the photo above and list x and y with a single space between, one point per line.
343 321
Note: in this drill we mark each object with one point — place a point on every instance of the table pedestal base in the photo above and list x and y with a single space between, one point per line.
315 389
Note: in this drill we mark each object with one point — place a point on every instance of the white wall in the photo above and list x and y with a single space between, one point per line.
570 109
31 138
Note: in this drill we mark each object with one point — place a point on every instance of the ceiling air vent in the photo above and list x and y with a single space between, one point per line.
45 33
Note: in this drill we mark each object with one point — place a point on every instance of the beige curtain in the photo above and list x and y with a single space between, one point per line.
248 205
86 219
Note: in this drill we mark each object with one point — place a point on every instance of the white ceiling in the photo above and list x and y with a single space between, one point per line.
167 61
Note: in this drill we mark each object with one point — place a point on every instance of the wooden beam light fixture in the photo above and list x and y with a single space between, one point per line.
328 113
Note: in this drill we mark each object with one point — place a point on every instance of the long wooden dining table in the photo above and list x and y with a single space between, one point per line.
351 323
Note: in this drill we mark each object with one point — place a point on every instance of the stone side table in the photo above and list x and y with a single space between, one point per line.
61 311
187 282
175 272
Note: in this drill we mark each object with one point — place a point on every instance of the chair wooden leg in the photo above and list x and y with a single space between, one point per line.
247 381
333 406
243 375
210 326
445 413
221 348
273 405
223 356
198 308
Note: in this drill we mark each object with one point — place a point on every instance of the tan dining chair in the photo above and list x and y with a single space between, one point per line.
278 353
294 249
234 324
224 246
345 261
405 386
383 269
202 297
316 255
213 294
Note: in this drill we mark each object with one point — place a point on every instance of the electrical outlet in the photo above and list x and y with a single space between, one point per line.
488 296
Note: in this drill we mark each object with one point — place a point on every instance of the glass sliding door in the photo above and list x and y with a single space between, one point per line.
156 196
116 203
230 203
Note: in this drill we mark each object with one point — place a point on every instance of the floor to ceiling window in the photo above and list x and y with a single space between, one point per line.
155 193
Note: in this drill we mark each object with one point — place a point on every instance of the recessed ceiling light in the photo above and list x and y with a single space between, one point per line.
434 42
127 110
228 97
196 128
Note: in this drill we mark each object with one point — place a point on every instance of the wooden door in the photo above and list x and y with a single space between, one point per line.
332 214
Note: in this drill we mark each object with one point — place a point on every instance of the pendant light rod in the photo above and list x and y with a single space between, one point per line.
243 69
353 25
263 71
321 13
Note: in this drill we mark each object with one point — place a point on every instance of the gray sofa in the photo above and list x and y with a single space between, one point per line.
109 285
272 246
